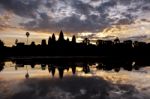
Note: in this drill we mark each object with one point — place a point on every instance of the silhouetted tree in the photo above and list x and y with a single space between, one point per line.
1 66
116 40
16 41
1 43
136 44
33 43
86 41
99 42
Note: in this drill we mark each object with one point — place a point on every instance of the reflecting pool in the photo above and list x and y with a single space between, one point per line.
74 80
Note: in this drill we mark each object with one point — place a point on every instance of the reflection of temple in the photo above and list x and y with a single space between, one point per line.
106 64
1 66
73 70
32 65
51 68
61 72
86 68
43 66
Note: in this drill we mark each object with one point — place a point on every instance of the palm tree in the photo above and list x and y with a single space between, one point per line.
86 41
116 40
27 34
1 43
16 41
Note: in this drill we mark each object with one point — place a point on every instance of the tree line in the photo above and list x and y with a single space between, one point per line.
64 47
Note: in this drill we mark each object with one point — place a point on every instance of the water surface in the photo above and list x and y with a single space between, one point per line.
73 81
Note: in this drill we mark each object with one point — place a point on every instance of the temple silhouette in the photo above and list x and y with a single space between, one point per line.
63 54
63 48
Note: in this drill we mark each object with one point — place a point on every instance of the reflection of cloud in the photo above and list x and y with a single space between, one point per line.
69 88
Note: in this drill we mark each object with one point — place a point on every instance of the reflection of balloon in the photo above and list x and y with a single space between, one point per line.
27 75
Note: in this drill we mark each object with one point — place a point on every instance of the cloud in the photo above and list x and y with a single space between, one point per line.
84 18
139 37
75 16
23 8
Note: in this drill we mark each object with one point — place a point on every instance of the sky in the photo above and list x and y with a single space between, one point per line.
95 19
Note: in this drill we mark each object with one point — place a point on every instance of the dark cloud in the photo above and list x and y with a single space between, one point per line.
146 8
125 21
106 5
73 24
96 18
145 20
81 7
23 8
